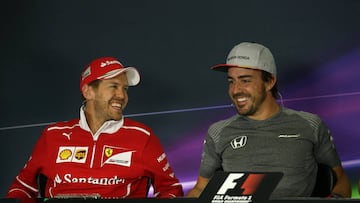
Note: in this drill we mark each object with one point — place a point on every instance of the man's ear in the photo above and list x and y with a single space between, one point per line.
270 84
87 92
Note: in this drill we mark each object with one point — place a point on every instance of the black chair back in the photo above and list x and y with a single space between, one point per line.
325 181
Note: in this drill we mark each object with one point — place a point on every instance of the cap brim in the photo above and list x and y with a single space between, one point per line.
225 67
221 67
132 75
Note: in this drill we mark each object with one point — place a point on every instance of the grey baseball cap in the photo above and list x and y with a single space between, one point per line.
249 55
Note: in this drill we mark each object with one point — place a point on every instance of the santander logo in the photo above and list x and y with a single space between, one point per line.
69 178
105 63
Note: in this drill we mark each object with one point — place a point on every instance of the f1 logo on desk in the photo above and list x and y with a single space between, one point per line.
247 188
238 187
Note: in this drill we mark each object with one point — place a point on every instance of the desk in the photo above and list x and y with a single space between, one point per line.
178 200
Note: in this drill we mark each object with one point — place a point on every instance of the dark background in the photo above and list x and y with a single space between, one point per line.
46 44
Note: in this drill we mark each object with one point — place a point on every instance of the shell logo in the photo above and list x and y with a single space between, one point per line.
65 154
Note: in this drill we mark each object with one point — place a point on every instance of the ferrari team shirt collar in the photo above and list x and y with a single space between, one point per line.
108 127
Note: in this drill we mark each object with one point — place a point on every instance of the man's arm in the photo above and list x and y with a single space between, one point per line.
343 186
25 185
199 187
165 183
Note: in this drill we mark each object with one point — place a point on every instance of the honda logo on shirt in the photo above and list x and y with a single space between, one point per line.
238 142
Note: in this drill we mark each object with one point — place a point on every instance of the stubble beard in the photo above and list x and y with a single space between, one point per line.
254 105
104 112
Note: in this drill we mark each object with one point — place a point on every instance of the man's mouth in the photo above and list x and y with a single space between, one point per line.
241 99
116 105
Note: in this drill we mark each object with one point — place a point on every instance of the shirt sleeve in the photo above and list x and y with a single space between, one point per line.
210 159
163 179
325 150
25 184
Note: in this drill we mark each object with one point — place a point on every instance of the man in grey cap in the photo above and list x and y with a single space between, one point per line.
265 136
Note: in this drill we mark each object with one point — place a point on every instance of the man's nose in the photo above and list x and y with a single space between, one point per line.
120 92
237 87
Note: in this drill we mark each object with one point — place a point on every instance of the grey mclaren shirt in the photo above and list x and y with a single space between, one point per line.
291 142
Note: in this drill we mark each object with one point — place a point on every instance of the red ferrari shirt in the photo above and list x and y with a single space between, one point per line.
116 162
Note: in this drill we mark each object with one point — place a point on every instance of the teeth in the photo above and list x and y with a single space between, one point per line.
116 105
241 99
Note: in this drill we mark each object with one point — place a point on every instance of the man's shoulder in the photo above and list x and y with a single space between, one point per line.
226 121
217 127
301 114
137 125
70 124
132 122
302 117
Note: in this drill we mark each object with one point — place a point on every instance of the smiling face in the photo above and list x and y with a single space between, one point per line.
108 100
249 93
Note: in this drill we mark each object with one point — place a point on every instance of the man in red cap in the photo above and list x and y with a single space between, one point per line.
101 154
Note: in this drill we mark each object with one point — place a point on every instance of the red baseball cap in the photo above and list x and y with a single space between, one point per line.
105 68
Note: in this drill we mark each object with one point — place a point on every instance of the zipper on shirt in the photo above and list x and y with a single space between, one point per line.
93 156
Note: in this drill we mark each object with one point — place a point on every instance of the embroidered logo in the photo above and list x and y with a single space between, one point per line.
108 152
67 135
289 135
238 142
80 154
86 73
65 154
117 155
72 154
